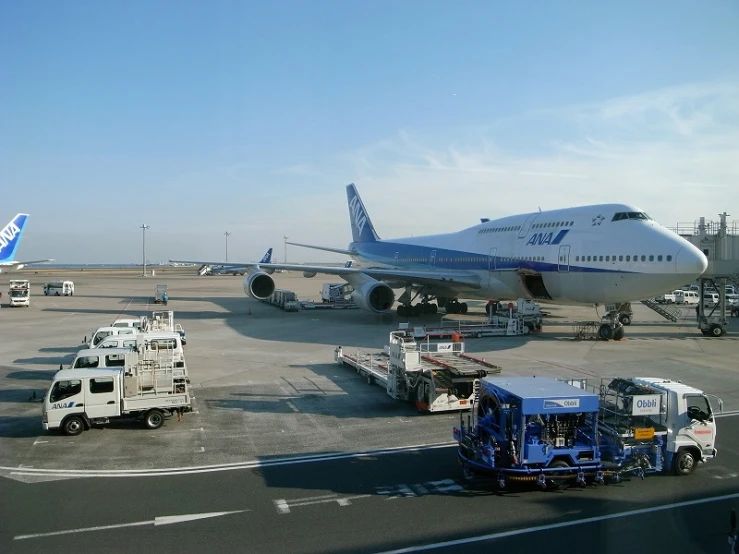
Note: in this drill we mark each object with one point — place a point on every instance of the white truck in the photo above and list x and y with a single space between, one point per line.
163 321
81 398
682 411
59 288
19 293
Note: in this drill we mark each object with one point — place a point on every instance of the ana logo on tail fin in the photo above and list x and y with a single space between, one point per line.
267 259
362 228
10 237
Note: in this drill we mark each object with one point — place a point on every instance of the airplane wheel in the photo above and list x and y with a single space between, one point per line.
401 311
434 308
625 319
618 334
452 308
463 308
417 310
605 332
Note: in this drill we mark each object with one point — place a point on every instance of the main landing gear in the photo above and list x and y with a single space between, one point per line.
424 307
611 327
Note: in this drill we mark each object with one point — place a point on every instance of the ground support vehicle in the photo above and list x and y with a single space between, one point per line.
334 296
523 309
59 288
144 390
163 321
19 293
552 433
435 376
494 326
286 300
160 294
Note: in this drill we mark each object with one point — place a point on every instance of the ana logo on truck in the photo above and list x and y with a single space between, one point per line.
58 405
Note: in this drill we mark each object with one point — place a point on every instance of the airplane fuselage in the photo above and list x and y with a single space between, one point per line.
599 254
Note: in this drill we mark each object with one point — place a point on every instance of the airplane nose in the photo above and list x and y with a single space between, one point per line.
691 262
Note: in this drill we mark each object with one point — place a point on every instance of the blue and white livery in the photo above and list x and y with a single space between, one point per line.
10 238
587 255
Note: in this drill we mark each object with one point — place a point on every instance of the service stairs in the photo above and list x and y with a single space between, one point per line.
672 313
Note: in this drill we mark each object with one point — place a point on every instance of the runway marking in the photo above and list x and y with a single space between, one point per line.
311 458
538 528
39 442
283 506
419 489
161 520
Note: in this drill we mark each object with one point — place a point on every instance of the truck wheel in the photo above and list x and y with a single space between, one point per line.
685 462
153 419
73 426
557 482
716 331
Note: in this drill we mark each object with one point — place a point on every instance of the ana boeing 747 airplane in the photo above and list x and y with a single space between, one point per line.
10 238
587 255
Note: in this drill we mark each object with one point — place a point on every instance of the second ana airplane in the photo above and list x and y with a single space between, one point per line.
587 255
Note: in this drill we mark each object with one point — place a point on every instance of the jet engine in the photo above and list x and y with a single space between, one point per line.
309 274
259 285
375 297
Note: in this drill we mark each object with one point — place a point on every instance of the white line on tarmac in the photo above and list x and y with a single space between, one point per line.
221 467
730 413
596 519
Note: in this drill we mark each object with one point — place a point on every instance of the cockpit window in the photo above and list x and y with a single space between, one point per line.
619 216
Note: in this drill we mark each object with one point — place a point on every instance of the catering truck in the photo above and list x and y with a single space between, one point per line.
551 432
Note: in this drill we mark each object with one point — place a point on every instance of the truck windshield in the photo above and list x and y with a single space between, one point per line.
698 408
18 293
64 389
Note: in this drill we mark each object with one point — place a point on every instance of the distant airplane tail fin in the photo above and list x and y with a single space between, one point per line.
10 237
362 228
267 258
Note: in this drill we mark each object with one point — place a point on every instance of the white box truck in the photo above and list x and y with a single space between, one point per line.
19 293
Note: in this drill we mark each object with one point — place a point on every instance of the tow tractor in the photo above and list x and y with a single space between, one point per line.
436 376
553 433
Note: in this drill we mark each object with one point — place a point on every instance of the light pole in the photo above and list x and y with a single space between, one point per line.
143 228
285 239
227 234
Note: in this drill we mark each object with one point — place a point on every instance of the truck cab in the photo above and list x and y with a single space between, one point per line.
690 423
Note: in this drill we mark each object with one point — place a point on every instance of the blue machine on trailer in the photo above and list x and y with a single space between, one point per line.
536 429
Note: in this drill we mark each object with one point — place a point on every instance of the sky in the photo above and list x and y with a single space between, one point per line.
200 118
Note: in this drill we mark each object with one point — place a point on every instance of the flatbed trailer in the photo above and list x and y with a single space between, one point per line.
469 329
435 376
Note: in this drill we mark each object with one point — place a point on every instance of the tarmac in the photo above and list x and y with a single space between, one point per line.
265 382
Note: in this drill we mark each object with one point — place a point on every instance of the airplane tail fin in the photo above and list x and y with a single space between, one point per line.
362 228
10 237
267 258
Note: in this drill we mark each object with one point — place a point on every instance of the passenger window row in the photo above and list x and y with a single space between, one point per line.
622 258
554 224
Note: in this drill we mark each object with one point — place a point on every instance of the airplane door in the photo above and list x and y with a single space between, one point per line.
527 225
432 261
101 398
492 264
397 259
563 263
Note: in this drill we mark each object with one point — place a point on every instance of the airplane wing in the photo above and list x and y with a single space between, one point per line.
447 278
325 248
15 263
